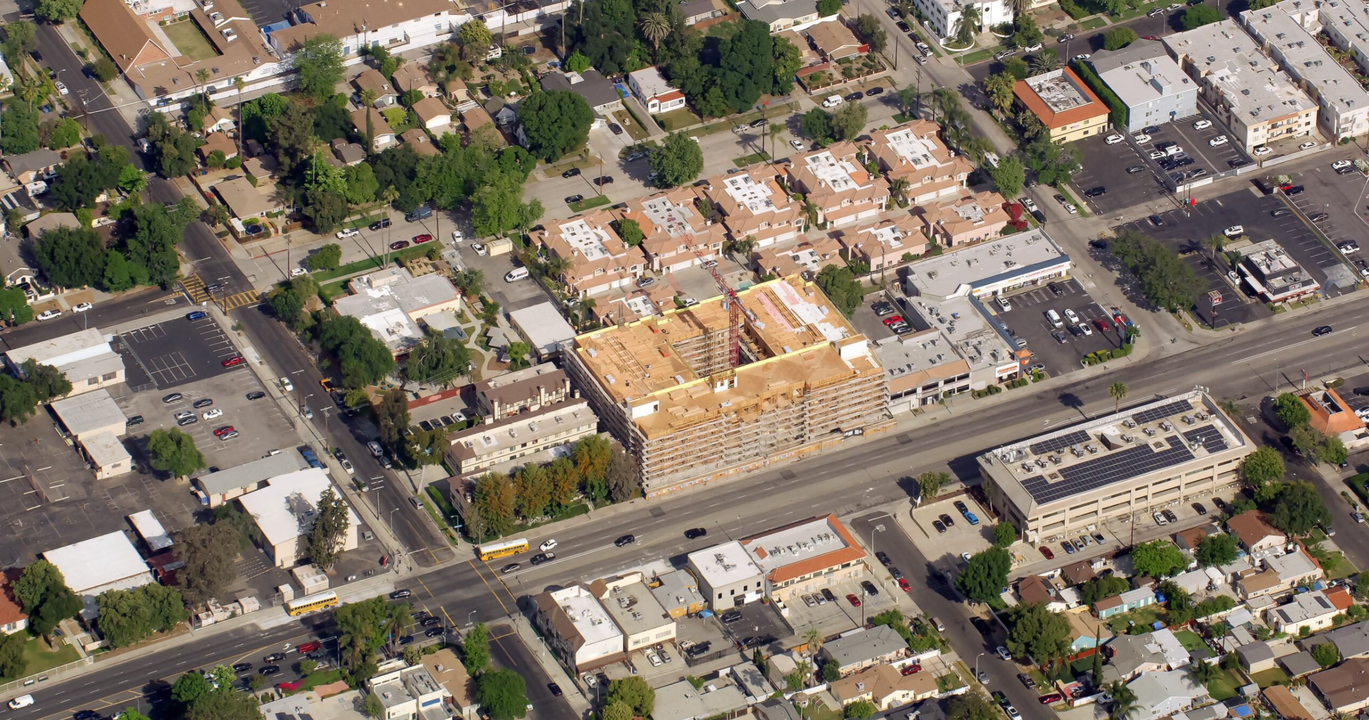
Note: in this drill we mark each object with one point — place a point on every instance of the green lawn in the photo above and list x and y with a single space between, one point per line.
37 659
751 159
1092 24
190 40
979 55
1083 212
1143 618
634 129
1190 640
316 679
588 203
676 119
724 30
347 269
1273 676
1224 687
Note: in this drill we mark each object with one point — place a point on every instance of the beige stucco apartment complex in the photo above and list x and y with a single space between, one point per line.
665 388
1117 466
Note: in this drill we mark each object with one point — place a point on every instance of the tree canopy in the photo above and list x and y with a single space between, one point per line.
210 554
173 452
555 123
986 574
327 534
1158 558
502 694
1263 466
1118 38
362 358
1037 633
318 66
1197 16
677 161
841 287
1166 280
1218 549
46 599
128 616
1299 508
1290 410
635 693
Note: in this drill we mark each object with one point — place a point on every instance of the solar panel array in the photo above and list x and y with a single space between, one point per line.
1060 442
1175 408
1105 470
1208 435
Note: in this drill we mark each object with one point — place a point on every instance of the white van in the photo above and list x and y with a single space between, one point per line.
833 101
22 701
516 274
1054 318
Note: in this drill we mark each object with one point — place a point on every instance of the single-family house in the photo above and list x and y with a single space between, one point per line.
1124 603
597 90
655 93
858 650
414 76
1036 589
1162 694
1086 632
1344 688
697 11
1255 657
37 165
834 40
1257 536
1284 704
1299 664
1351 641
217 142
433 116
371 79
884 686
419 142
1133 655
1312 610
1281 573
348 153
382 135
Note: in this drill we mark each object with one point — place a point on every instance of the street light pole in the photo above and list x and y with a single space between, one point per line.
976 666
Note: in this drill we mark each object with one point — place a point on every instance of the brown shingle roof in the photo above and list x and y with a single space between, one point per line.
1344 685
123 35
1285 704
1250 527
10 611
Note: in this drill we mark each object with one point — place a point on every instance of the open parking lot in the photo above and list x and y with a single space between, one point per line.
944 548
175 352
1127 176
760 624
1059 349
1341 199
1213 160
509 295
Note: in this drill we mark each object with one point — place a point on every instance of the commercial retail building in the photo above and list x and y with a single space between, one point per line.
100 564
284 510
578 628
1273 274
1121 465
85 357
666 388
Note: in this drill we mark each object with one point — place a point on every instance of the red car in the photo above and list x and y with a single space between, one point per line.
220 432
1050 699
912 669
235 360
288 686
420 239
1102 324
399 244
903 585
893 319
855 601
1046 552
306 648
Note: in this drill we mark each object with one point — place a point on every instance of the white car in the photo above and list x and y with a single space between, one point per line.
1082 56
1261 151
1202 125
1029 204
22 701
214 413
1071 209
796 144
60 87
1085 329
833 101
1114 139
1218 141
1233 277
1307 145
1340 164
345 233
456 237
49 314
1142 138
1159 519
82 307
1234 231
1032 48
347 466
1348 248
479 248
297 272
286 385
374 447
1157 154
1003 303
548 545
1070 316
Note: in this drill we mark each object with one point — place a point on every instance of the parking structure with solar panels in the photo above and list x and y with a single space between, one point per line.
1118 467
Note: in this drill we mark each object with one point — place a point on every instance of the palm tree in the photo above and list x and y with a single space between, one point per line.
810 212
968 24
1215 243
655 26
813 640
1203 672
587 309
202 77
977 146
1117 391
368 99
1045 61
1123 701
898 187
239 84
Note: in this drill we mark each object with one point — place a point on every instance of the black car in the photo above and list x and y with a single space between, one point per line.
242 667
616 128
401 594
191 420
602 181
981 626
695 533
173 397
1094 192
1220 503
1281 212
855 96
874 91
625 540
528 49
758 123
1150 129
85 715
380 224
1321 330
730 617
511 567
903 26
883 558
429 621
572 199
946 520
203 403
256 395
828 595
554 689
1170 516
1199 508
1026 681
898 574
435 632
540 558
960 507
1055 289
940 526
268 669
1040 216
1156 220
405 639
1295 190
573 172
1238 162
135 420
869 588
273 657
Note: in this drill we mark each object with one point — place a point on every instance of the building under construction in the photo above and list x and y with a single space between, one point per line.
669 390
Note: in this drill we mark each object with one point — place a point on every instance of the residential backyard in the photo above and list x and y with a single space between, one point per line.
189 40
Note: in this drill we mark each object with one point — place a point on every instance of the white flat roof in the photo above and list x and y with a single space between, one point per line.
97 562
1338 89
723 565
543 326
105 450
64 349
960 271
590 618
796 543
151 530
1251 84
834 172
285 508
88 411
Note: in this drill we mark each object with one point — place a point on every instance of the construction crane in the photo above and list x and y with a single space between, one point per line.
731 302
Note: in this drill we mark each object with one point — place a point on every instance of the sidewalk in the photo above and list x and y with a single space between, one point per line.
578 702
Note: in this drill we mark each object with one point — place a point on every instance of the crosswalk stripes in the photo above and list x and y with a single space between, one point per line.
246 297
193 287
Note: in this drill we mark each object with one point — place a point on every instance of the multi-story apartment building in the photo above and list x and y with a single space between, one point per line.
675 235
1146 79
1064 104
362 23
525 390
1121 465
596 260
513 440
964 219
913 152
836 181
943 16
666 388
754 206
1288 32
886 242
1250 94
